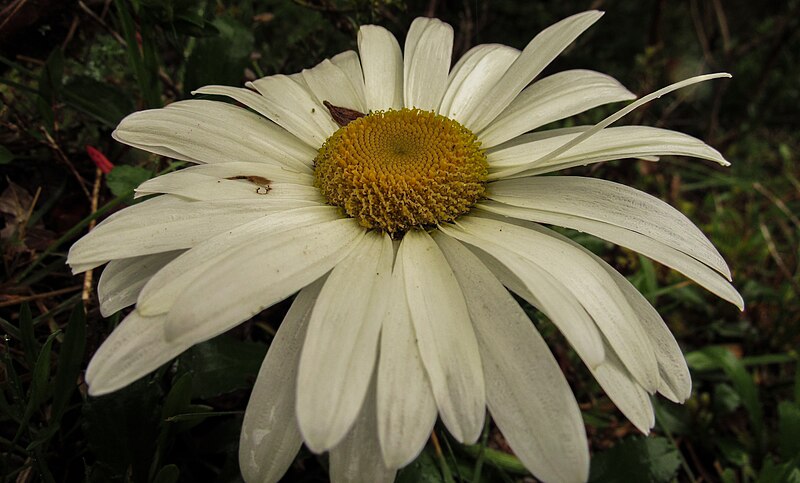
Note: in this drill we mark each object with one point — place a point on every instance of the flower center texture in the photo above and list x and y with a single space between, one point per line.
398 169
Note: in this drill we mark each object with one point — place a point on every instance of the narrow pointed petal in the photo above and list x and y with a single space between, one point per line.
428 50
123 279
445 336
553 98
382 63
205 131
473 77
328 82
527 394
623 390
406 408
259 275
340 350
270 437
350 64
614 204
690 267
534 58
198 186
293 107
358 458
587 281
134 349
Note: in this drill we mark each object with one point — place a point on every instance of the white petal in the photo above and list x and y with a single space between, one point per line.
550 99
159 295
525 156
534 58
613 204
648 247
357 459
629 396
158 225
256 276
428 50
270 437
135 348
406 408
587 134
579 273
123 279
474 76
382 63
204 131
445 336
328 82
348 61
294 108
527 394
342 343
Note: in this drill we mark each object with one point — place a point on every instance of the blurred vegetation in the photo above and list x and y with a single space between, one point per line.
71 70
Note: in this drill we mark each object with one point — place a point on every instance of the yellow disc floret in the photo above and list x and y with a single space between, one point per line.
394 170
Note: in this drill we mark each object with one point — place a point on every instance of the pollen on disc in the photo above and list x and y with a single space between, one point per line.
398 169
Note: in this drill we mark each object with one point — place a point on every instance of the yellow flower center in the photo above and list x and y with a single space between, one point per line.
395 170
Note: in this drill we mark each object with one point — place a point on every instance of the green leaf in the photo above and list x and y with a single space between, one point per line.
422 470
141 63
123 179
52 76
29 345
726 399
6 156
636 458
168 474
70 361
40 379
220 59
789 429
222 365
100 100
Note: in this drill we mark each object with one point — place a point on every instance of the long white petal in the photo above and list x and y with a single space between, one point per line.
159 225
550 99
340 350
357 459
329 82
613 204
205 131
428 49
198 186
135 348
525 153
382 63
406 408
623 390
123 279
473 77
697 271
294 108
534 58
445 336
270 437
527 394
256 276
579 273
348 61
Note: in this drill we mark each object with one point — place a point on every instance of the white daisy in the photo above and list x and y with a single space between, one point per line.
402 230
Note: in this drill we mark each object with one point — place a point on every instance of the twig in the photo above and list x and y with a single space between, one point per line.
63 157
778 202
86 294
39 296
102 22
14 8
773 251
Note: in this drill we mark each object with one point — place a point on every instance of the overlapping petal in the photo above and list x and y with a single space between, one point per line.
123 279
426 63
382 64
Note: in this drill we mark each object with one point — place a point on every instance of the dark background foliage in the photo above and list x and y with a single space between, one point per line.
69 71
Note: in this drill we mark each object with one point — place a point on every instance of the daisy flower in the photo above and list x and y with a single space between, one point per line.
402 199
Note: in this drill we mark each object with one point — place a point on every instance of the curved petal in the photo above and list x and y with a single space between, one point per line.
342 343
428 50
614 204
256 276
294 108
123 279
623 390
580 274
527 394
270 437
534 58
350 64
552 98
406 408
328 82
205 131
382 63
473 77
357 458
445 337
134 349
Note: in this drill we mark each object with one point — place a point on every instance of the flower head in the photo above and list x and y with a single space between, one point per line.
402 199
